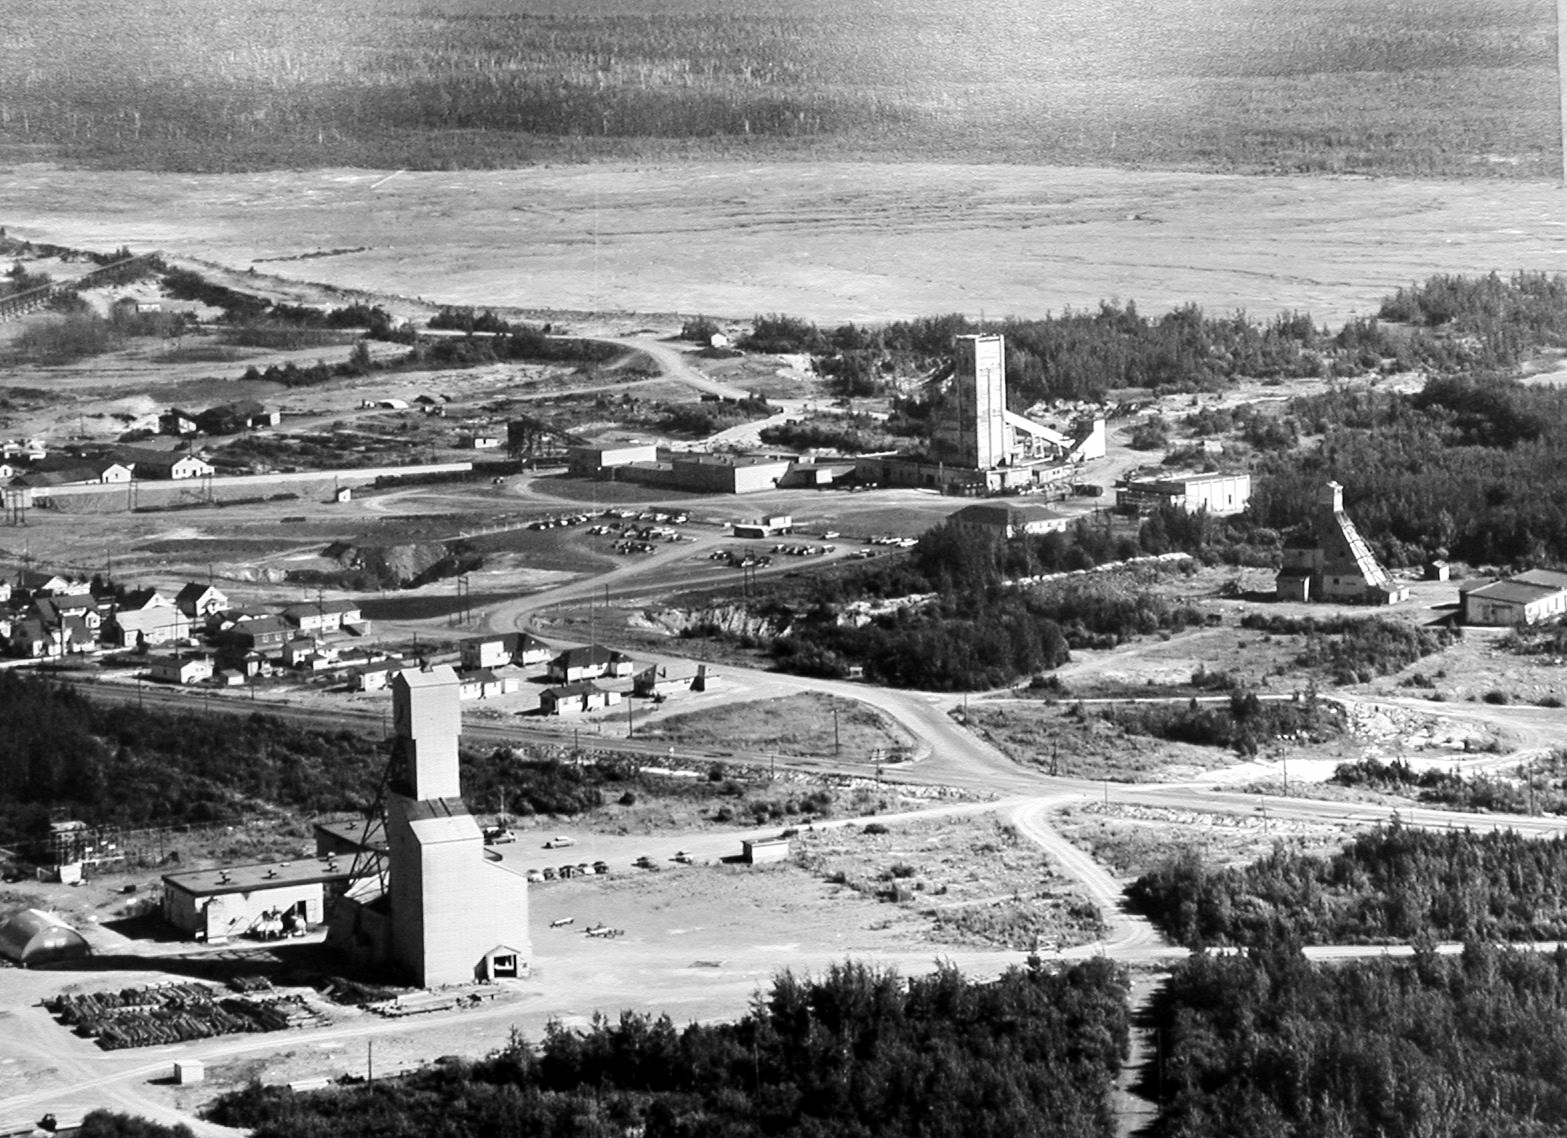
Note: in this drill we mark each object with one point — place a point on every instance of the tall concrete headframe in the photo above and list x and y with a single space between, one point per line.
982 445
451 907
441 912
979 388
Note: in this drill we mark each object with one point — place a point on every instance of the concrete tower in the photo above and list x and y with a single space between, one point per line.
454 914
979 387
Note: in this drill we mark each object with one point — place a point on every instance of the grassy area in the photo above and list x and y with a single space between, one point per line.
1326 85
977 881
807 724
1132 840
1046 736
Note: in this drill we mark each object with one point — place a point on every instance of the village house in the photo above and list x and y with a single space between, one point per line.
479 683
168 465
40 584
198 601
576 698
324 616
263 634
590 663
519 648
378 676
179 669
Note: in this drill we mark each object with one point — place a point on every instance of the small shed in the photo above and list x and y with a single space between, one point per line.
187 1071
763 850
31 937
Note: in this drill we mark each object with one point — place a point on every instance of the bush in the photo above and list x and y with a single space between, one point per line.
1497 696
874 828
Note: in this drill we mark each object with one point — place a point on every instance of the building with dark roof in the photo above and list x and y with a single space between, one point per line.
1525 598
1009 519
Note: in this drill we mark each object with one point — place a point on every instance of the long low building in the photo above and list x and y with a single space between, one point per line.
1215 493
213 904
1527 598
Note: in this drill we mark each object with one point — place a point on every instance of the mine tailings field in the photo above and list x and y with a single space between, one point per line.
831 242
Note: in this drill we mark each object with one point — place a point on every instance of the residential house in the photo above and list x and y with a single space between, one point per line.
177 422
31 637
154 624
230 418
38 583
520 648
323 616
298 649
199 601
265 634
378 677
53 610
179 669
167 465
590 663
479 683
576 698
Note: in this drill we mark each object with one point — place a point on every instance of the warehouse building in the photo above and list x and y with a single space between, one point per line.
254 900
1194 493
1527 598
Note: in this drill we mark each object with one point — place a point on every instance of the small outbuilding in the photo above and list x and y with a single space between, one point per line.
760 851
31 937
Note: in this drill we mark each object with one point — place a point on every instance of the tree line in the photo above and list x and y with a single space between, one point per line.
1433 1047
857 1052
1391 884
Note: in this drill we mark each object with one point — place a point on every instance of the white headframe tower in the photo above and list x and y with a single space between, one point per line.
447 914
979 389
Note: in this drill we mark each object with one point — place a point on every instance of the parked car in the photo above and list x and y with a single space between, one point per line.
560 841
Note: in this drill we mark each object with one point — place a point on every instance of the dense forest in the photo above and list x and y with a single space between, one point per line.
118 764
1433 1047
857 1053
1393 884
1474 469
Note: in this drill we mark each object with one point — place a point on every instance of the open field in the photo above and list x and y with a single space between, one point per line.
1443 87
808 724
832 242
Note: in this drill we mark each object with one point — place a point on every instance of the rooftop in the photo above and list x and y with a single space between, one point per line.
263 875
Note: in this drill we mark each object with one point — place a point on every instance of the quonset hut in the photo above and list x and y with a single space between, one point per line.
31 937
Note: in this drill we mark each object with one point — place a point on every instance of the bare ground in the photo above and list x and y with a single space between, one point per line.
834 241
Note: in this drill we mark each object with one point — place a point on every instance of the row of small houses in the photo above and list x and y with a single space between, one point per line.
47 615
116 468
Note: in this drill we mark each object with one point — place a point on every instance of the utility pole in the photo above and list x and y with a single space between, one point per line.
836 741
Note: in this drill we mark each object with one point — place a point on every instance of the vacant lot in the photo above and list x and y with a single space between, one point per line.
809 724
833 241
976 881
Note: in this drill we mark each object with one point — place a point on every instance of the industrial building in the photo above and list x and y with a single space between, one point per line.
1194 493
216 904
1527 598
31 937
1332 562
1008 519
698 472
980 447
435 908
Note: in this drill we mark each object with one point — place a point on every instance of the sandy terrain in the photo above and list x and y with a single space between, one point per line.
845 241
